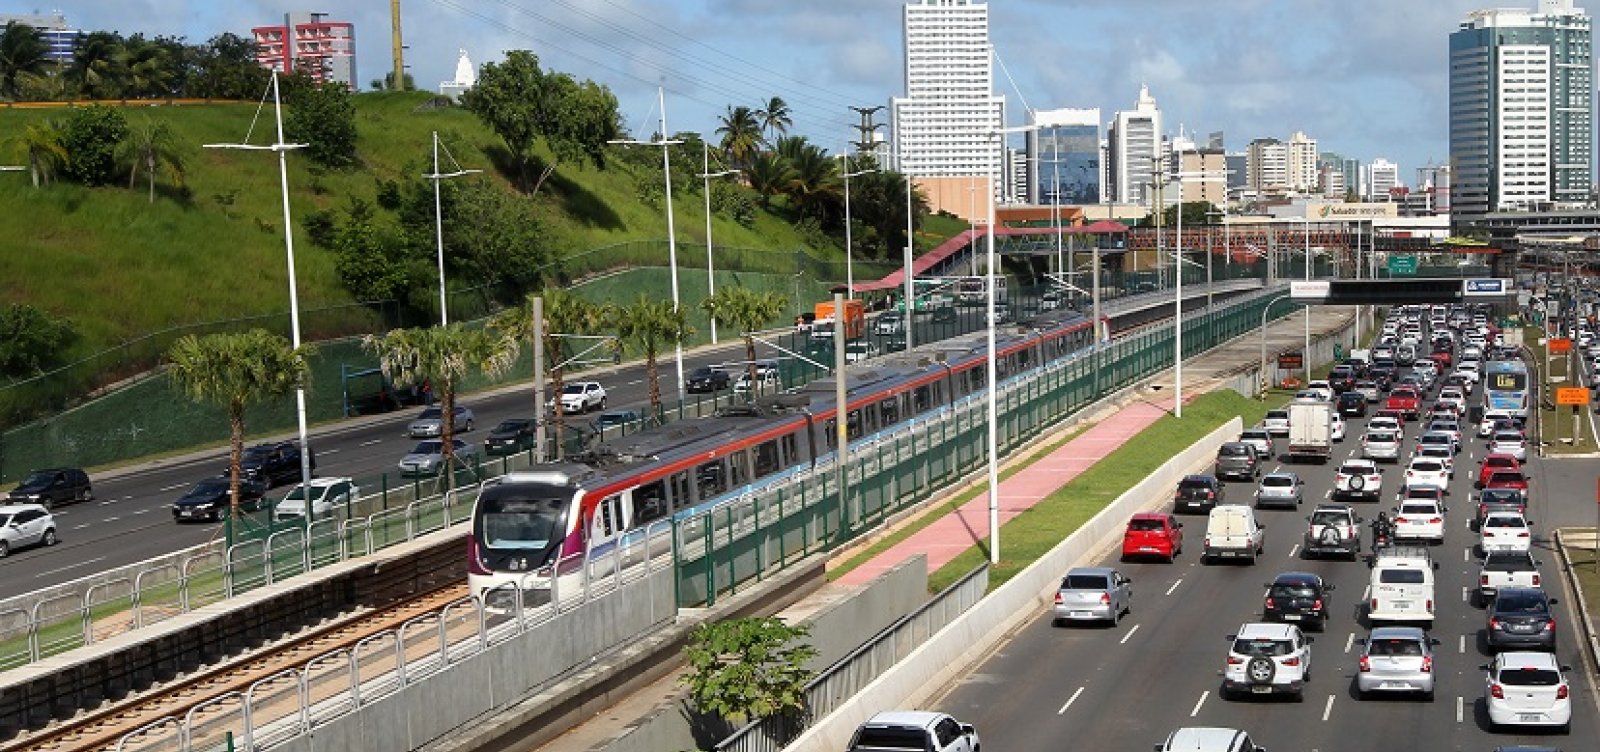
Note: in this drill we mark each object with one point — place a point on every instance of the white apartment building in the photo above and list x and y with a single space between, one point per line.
1135 143
1267 166
1302 163
1382 176
942 125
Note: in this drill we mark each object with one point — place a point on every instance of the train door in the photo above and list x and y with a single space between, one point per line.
610 519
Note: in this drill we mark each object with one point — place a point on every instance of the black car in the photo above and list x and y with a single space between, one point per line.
1299 598
1342 379
1352 405
208 500
58 485
1197 493
707 379
275 462
1520 619
626 420
510 437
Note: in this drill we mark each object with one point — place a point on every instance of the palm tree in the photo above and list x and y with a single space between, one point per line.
236 370
564 314
748 311
815 182
769 174
97 66
150 146
653 326
22 57
440 356
42 142
775 116
741 134
149 66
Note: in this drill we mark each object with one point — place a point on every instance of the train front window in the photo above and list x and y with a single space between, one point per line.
528 524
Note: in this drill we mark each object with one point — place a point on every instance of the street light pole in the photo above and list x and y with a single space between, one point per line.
706 175
666 145
283 148
438 219
900 157
849 256
1305 355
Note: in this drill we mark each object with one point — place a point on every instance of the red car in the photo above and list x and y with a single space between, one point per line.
1405 401
1444 359
1493 463
1152 534
1507 479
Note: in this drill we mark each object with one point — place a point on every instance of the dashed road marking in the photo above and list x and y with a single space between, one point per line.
1070 700
1295 549
80 527
1366 593
330 451
1460 709
1202 701
370 443
172 487
111 519
69 566
1328 708
1466 594
1125 637
1461 644
1175 585
1349 640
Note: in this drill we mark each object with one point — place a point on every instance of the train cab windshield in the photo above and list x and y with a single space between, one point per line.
522 524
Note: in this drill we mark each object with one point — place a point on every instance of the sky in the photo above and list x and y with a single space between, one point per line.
1366 78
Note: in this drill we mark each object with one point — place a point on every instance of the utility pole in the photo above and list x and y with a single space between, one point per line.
867 128
399 83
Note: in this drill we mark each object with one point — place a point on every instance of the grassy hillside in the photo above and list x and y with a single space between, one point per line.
121 268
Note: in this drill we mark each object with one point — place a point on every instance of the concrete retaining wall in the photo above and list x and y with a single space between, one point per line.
952 650
1248 381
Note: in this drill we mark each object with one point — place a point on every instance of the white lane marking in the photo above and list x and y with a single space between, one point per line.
1465 596
329 451
634 382
1466 554
80 527
1328 494
172 487
1461 644
1366 593
370 443
1327 709
141 511
111 519
109 502
1349 640
1460 707
1202 701
70 566
1175 585
1070 700
1124 639
125 498
1294 550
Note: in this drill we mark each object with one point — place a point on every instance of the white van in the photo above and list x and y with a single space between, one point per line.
1401 586
1233 533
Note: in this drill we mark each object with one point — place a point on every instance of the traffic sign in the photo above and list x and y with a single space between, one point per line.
1559 345
1572 395
1402 265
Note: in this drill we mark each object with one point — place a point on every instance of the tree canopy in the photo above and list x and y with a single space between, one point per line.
523 103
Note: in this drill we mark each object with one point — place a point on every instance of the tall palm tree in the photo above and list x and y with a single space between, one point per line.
42 143
653 326
775 117
815 184
23 56
564 314
741 134
748 311
151 146
440 356
98 66
149 66
236 370
769 174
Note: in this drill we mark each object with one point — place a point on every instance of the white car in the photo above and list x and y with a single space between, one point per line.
1276 422
767 381
1338 425
1490 418
1527 689
1452 395
1357 479
1383 423
1509 442
1440 453
1322 388
580 397
1419 520
1267 659
1427 472
327 495
1381 444
1504 531
1468 369
24 525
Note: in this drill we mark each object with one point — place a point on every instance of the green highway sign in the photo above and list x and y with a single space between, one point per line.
1402 265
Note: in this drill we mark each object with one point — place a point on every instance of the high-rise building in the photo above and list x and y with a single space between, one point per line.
59 38
1267 166
1521 108
309 43
1383 177
1238 170
1204 176
1064 155
1349 170
1135 146
943 125
1302 163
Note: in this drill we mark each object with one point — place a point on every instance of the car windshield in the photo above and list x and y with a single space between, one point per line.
1355 470
511 426
211 486
256 454
1417 509
572 389
1291 590
1145 525
1511 602
1500 496
1277 415
1084 582
1277 481
1504 520
432 413
1394 647
1330 518
1508 438
531 524
890 737
1254 435
1505 476
1381 437
1400 576
1267 648
39 479
1234 450
299 493
1427 467
1529 676
1493 461
1505 561
427 447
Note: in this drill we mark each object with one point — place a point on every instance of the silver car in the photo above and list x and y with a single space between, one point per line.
430 423
1276 423
1396 659
1259 439
427 457
1509 442
1093 594
1280 489
1381 445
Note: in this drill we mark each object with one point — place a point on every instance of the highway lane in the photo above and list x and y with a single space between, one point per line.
1127 687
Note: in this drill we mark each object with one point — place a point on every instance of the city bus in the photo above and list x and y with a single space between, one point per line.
1505 387
973 291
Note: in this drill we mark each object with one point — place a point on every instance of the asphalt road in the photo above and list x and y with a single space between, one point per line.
131 519
1128 686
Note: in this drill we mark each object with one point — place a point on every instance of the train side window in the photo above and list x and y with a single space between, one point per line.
767 461
791 449
852 424
738 465
680 491
941 392
920 399
889 411
831 432
712 478
975 379
869 418
607 521
649 502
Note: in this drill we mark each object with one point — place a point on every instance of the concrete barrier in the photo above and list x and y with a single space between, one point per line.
949 653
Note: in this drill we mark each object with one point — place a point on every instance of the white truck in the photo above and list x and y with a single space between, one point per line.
1310 430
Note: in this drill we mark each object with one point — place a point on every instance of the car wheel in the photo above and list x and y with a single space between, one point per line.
49 538
1428 695
5 549
602 403
469 426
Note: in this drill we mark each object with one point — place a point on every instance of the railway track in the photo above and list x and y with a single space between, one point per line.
101 729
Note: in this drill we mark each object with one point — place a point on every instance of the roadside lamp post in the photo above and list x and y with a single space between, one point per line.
438 217
706 175
666 145
849 259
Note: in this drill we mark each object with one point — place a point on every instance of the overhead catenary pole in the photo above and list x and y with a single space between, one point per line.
899 147
706 175
438 221
841 418
539 454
